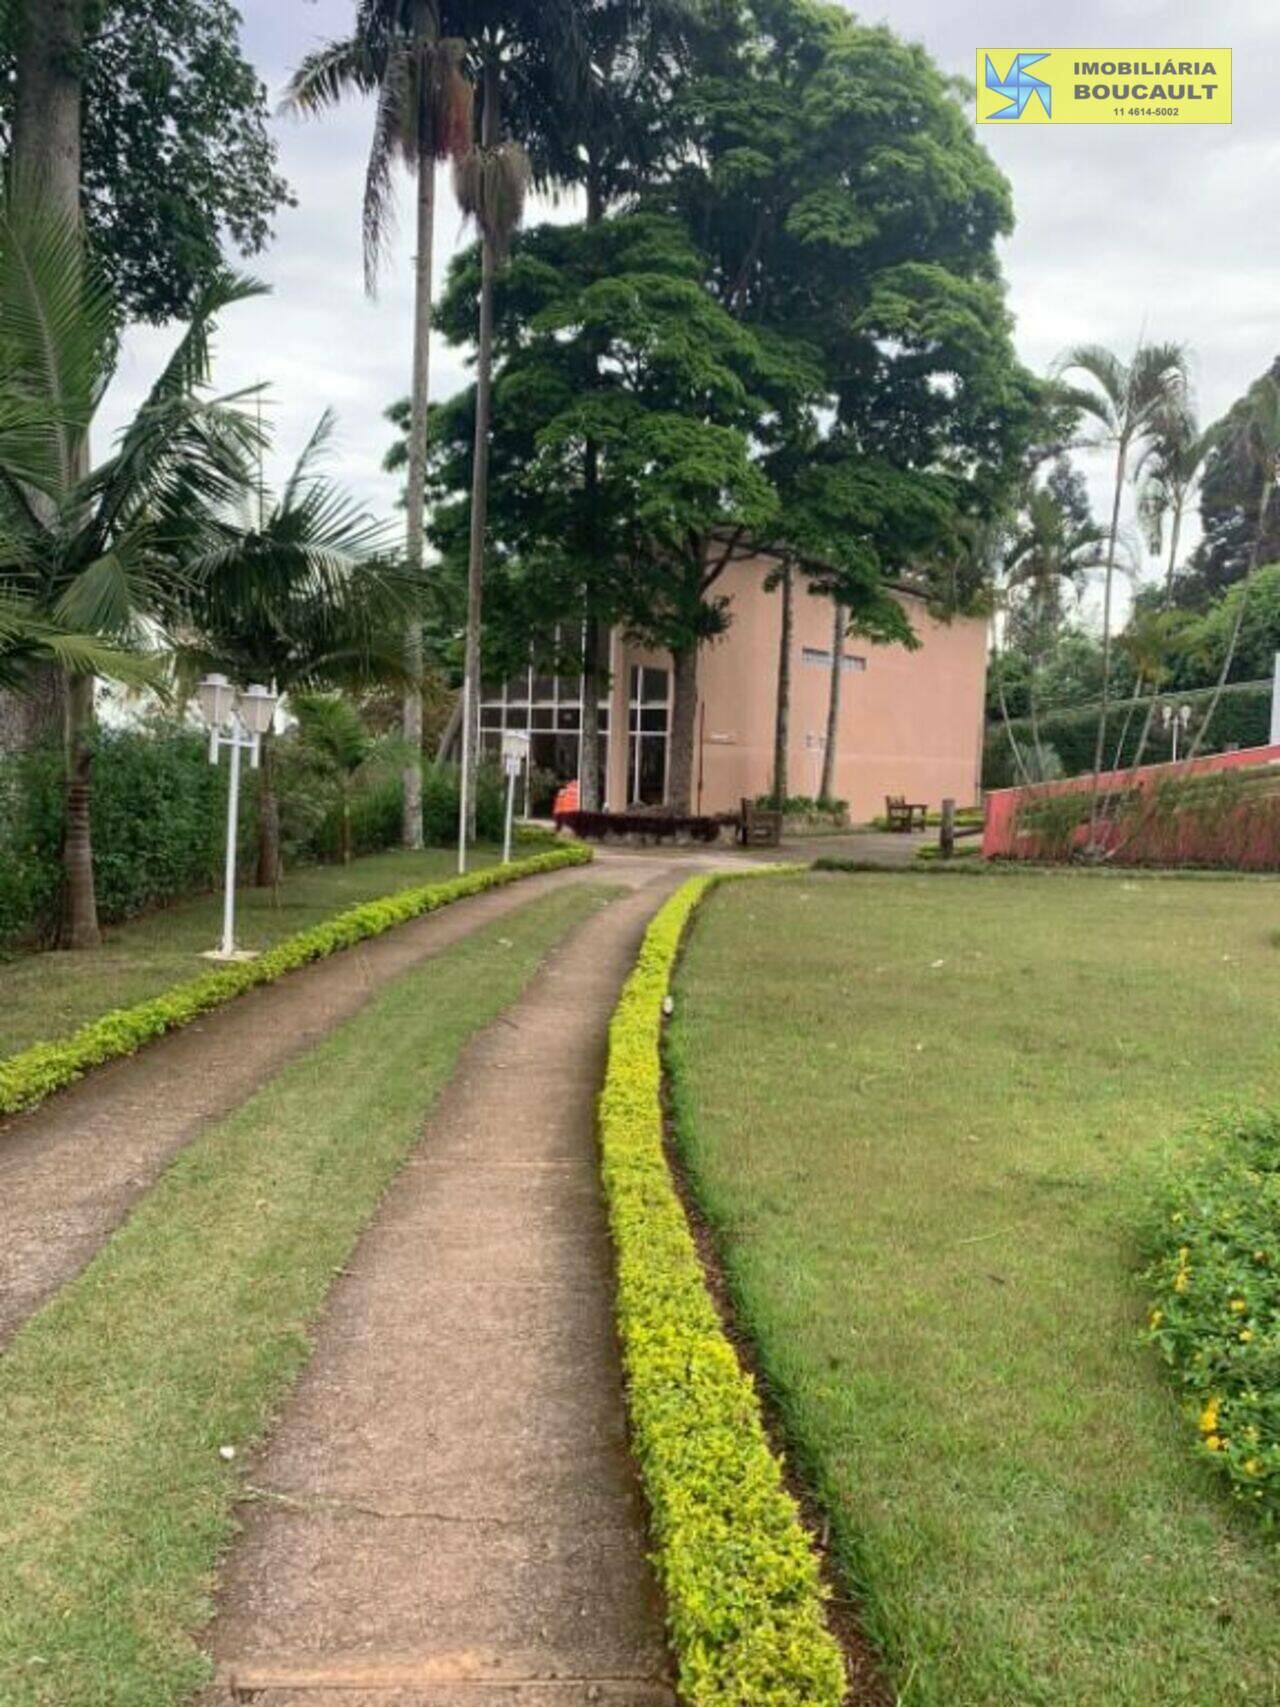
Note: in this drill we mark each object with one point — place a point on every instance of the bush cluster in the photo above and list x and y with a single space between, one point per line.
1215 1317
652 826
30 1076
1243 719
744 1596
158 823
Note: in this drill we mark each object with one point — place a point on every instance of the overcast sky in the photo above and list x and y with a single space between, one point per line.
1170 231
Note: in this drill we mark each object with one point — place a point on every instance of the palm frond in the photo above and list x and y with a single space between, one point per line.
57 335
330 74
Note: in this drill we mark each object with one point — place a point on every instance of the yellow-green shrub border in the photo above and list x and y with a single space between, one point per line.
34 1073
744 1593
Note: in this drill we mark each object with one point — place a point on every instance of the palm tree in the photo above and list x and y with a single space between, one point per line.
1049 553
1126 400
95 552
299 592
1250 436
332 730
491 181
830 751
398 53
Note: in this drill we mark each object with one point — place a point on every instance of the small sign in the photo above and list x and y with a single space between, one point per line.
515 747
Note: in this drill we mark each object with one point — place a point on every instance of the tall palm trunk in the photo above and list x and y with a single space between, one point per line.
831 749
79 927
46 163
1104 701
782 712
589 783
426 28
479 495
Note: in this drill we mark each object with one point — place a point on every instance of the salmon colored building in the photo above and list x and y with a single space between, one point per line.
910 721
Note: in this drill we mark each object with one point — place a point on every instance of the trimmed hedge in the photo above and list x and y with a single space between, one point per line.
1215 1276
31 1075
1243 717
744 1595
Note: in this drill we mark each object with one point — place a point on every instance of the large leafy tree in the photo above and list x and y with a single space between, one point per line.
146 113
97 551
1234 529
296 589
407 55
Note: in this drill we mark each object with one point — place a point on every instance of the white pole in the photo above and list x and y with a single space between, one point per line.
233 815
511 808
464 771
1275 704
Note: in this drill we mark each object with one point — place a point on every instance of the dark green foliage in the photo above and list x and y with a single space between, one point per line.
158 817
1229 518
179 163
1215 1279
440 804
1243 719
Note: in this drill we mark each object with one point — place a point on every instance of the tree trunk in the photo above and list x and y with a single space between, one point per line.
684 726
1105 696
346 829
268 872
782 712
589 769
79 928
479 501
831 750
425 29
45 165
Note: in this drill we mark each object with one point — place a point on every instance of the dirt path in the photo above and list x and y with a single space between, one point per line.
447 1515
71 1169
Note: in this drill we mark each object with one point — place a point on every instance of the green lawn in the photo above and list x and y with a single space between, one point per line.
44 996
183 1335
923 1113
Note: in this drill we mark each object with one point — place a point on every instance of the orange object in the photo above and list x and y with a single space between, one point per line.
566 800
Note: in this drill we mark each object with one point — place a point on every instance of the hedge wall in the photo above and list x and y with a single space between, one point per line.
159 822
1243 718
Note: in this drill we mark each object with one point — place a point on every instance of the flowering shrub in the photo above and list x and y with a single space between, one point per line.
744 1597
28 1077
1215 1271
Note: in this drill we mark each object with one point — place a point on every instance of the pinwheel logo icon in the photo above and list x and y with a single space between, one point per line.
1017 86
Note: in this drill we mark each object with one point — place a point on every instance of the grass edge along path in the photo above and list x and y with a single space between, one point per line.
28 1077
744 1594
126 1402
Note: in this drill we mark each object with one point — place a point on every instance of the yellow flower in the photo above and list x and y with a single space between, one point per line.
1239 1306
1246 1334
1213 1443
1209 1416
1252 1467
1157 1316
1181 1280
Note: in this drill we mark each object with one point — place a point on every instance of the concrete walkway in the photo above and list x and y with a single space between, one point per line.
71 1169
447 1515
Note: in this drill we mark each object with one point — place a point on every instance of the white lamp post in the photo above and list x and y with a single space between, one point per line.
1177 721
515 754
237 720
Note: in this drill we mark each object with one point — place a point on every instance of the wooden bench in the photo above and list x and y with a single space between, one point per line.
759 826
903 814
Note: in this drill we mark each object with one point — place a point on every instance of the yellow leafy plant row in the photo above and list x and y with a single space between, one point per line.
744 1594
34 1073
